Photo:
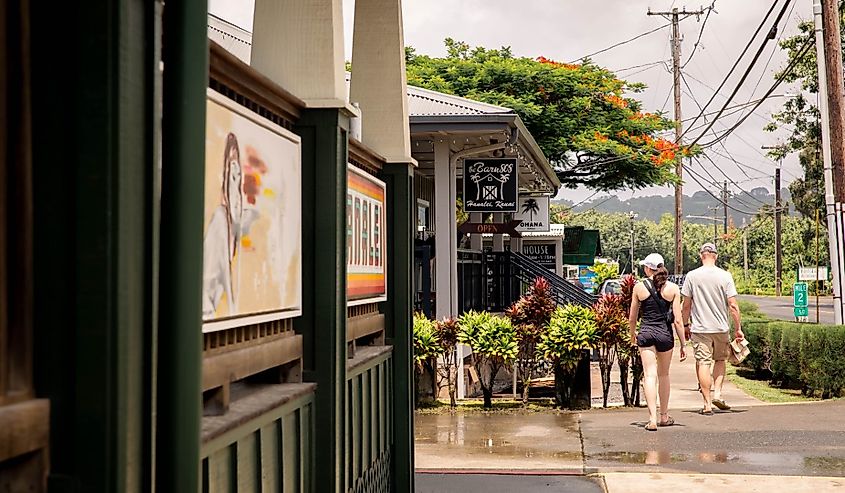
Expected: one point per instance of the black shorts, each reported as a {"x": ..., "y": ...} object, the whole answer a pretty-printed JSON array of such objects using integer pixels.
[{"x": 661, "y": 338}]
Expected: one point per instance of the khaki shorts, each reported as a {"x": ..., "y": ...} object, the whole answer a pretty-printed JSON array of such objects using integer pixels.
[{"x": 710, "y": 347}]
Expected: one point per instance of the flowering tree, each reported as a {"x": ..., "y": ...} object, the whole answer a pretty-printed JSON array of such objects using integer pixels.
[{"x": 581, "y": 115}]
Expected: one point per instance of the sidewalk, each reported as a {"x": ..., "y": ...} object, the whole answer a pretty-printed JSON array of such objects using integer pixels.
[
  {"x": 753, "y": 447},
  {"x": 707, "y": 483}
]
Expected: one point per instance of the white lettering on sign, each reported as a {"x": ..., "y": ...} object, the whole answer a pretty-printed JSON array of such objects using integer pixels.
[
  {"x": 482, "y": 168},
  {"x": 364, "y": 219},
  {"x": 365, "y": 237}
]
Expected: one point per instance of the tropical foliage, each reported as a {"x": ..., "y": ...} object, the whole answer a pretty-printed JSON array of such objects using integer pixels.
[
  {"x": 426, "y": 349},
  {"x": 493, "y": 342},
  {"x": 447, "y": 337},
  {"x": 530, "y": 316},
  {"x": 612, "y": 328},
  {"x": 572, "y": 331},
  {"x": 581, "y": 115}
]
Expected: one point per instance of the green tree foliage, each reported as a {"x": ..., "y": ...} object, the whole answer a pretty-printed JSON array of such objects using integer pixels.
[
  {"x": 798, "y": 240},
  {"x": 801, "y": 115},
  {"x": 605, "y": 271},
  {"x": 530, "y": 317},
  {"x": 572, "y": 330},
  {"x": 494, "y": 346},
  {"x": 591, "y": 132}
]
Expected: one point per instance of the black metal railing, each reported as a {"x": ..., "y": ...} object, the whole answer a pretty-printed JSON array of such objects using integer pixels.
[{"x": 492, "y": 281}]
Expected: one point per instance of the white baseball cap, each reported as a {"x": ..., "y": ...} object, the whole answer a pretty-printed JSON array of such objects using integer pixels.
[{"x": 653, "y": 261}]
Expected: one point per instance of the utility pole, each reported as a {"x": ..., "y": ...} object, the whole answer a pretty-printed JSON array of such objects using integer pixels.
[
  {"x": 818, "y": 320},
  {"x": 715, "y": 226},
  {"x": 778, "y": 249},
  {"x": 632, "y": 215},
  {"x": 778, "y": 253},
  {"x": 744, "y": 251},
  {"x": 725, "y": 204},
  {"x": 829, "y": 63},
  {"x": 675, "y": 16}
]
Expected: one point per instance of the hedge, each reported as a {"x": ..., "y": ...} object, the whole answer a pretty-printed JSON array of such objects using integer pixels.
[{"x": 806, "y": 356}]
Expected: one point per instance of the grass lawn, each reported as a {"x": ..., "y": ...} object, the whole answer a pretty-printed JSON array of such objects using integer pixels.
[
  {"x": 761, "y": 388},
  {"x": 503, "y": 406}
]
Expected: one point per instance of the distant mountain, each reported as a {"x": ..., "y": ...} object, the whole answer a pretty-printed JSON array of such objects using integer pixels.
[{"x": 742, "y": 206}]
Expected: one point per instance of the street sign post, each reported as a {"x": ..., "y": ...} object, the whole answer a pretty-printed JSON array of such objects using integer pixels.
[{"x": 800, "y": 301}]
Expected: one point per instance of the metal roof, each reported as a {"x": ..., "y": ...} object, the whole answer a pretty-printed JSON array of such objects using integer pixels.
[
  {"x": 425, "y": 102},
  {"x": 232, "y": 38}
]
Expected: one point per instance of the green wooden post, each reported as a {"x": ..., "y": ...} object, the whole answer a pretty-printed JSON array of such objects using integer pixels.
[
  {"x": 94, "y": 174},
  {"x": 183, "y": 177},
  {"x": 323, "y": 320},
  {"x": 398, "y": 322}
]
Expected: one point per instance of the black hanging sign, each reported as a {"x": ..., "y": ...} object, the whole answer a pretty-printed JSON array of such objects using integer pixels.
[{"x": 490, "y": 185}]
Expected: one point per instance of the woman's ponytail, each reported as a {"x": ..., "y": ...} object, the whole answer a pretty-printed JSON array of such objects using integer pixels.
[{"x": 661, "y": 275}]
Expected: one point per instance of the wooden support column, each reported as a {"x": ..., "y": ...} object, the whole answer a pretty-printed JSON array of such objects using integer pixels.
[
  {"x": 323, "y": 321},
  {"x": 95, "y": 170},
  {"x": 444, "y": 219},
  {"x": 476, "y": 241},
  {"x": 400, "y": 226}
]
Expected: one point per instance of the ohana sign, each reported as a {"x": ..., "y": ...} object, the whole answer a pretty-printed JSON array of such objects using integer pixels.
[{"x": 490, "y": 185}]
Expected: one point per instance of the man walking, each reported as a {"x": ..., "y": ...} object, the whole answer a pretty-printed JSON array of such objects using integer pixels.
[{"x": 709, "y": 293}]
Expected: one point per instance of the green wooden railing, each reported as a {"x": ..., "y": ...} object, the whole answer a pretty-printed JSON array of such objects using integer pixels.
[
  {"x": 272, "y": 451},
  {"x": 369, "y": 420}
]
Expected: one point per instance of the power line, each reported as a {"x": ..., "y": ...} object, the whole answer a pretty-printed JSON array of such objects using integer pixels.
[
  {"x": 656, "y": 62},
  {"x": 741, "y": 55},
  {"x": 700, "y": 32},
  {"x": 759, "y": 52},
  {"x": 799, "y": 56},
  {"x": 615, "y": 45}
]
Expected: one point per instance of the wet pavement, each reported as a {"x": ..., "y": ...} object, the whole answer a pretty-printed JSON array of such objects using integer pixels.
[
  {"x": 494, "y": 483},
  {"x": 797, "y": 439},
  {"x": 479, "y": 441}
]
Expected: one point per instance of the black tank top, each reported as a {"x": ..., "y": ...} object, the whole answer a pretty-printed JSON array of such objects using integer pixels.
[{"x": 652, "y": 313}]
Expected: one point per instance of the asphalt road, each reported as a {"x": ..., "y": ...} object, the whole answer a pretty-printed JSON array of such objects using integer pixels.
[{"x": 781, "y": 307}]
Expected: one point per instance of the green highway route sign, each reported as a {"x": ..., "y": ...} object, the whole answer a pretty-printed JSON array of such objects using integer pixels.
[
  {"x": 801, "y": 311},
  {"x": 799, "y": 296}
]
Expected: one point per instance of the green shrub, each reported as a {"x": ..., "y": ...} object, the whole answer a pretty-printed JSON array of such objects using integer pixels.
[
  {"x": 822, "y": 359},
  {"x": 755, "y": 334},
  {"x": 771, "y": 349}
]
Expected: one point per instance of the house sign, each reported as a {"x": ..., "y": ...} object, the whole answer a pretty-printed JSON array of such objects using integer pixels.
[{"x": 490, "y": 185}]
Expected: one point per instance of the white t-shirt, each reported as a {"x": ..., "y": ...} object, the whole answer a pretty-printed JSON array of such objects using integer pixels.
[{"x": 709, "y": 288}]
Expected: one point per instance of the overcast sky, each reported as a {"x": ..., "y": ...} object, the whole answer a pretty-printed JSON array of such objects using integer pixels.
[{"x": 566, "y": 30}]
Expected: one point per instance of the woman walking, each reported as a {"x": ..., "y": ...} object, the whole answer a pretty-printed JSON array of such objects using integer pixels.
[{"x": 656, "y": 302}]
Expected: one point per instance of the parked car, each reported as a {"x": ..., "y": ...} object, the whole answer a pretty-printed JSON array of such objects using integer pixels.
[{"x": 610, "y": 286}]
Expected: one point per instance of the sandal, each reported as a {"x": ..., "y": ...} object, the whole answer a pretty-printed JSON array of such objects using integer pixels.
[
  {"x": 669, "y": 421},
  {"x": 705, "y": 412},
  {"x": 651, "y": 427},
  {"x": 721, "y": 404}
]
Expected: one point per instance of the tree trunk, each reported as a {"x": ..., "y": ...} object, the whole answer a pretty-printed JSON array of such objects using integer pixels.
[
  {"x": 623, "y": 380},
  {"x": 488, "y": 396},
  {"x": 526, "y": 386},
  {"x": 563, "y": 388},
  {"x": 453, "y": 385},
  {"x": 604, "y": 369},
  {"x": 636, "y": 378}
]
